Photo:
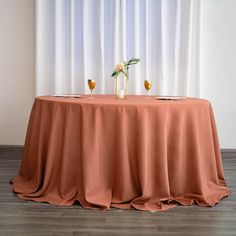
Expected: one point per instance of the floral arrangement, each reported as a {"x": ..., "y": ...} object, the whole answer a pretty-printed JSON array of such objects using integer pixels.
[{"x": 124, "y": 67}]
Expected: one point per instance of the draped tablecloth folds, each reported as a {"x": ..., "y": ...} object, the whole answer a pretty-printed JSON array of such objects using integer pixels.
[{"x": 138, "y": 153}]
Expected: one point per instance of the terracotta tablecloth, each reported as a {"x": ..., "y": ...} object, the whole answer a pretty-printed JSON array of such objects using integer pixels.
[{"x": 103, "y": 152}]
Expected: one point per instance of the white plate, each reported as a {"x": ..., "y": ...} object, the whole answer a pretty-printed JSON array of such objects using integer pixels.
[
  {"x": 67, "y": 95},
  {"x": 170, "y": 98}
]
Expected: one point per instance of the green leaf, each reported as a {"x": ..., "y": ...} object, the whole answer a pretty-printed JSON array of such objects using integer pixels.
[
  {"x": 130, "y": 60},
  {"x": 133, "y": 61},
  {"x": 114, "y": 74}
]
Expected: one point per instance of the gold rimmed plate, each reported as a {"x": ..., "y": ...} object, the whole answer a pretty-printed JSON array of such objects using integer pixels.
[
  {"x": 67, "y": 95},
  {"x": 170, "y": 98}
]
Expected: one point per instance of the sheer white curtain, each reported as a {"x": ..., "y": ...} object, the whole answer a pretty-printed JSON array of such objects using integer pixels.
[{"x": 81, "y": 39}]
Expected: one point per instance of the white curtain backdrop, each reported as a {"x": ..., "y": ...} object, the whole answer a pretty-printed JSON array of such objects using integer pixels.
[{"x": 77, "y": 40}]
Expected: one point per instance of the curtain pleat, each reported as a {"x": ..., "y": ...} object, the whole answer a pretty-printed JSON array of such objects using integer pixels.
[{"x": 77, "y": 40}]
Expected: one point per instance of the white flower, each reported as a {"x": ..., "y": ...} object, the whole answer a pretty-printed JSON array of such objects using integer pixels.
[{"x": 119, "y": 67}]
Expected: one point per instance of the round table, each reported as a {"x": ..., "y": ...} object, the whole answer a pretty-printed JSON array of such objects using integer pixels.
[{"x": 138, "y": 153}]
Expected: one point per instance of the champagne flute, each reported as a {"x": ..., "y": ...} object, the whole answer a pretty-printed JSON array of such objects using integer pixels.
[
  {"x": 147, "y": 85},
  {"x": 91, "y": 84}
]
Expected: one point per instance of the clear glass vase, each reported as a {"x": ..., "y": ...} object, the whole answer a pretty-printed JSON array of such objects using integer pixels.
[{"x": 122, "y": 86}]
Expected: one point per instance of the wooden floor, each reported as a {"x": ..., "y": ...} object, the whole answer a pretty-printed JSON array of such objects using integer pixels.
[{"x": 18, "y": 217}]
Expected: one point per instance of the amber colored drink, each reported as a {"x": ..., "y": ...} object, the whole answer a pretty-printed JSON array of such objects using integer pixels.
[
  {"x": 147, "y": 85},
  {"x": 91, "y": 84}
]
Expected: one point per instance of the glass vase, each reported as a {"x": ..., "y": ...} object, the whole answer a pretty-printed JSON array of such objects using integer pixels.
[{"x": 122, "y": 86}]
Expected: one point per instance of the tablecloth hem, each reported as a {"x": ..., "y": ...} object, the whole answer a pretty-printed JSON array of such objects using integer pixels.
[{"x": 145, "y": 206}]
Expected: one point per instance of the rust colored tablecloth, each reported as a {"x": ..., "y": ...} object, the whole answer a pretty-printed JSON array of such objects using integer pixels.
[{"x": 103, "y": 152}]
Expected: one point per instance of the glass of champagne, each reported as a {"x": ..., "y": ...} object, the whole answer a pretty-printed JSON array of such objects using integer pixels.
[
  {"x": 91, "y": 84},
  {"x": 147, "y": 85}
]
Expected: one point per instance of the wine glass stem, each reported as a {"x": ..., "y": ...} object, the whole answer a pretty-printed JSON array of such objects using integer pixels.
[
  {"x": 147, "y": 92},
  {"x": 91, "y": 92}
]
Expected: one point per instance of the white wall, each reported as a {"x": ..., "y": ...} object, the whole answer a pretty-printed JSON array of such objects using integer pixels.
[
  {"x": 218, "y": 65},
  {"x": 16, "y": 68}
]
